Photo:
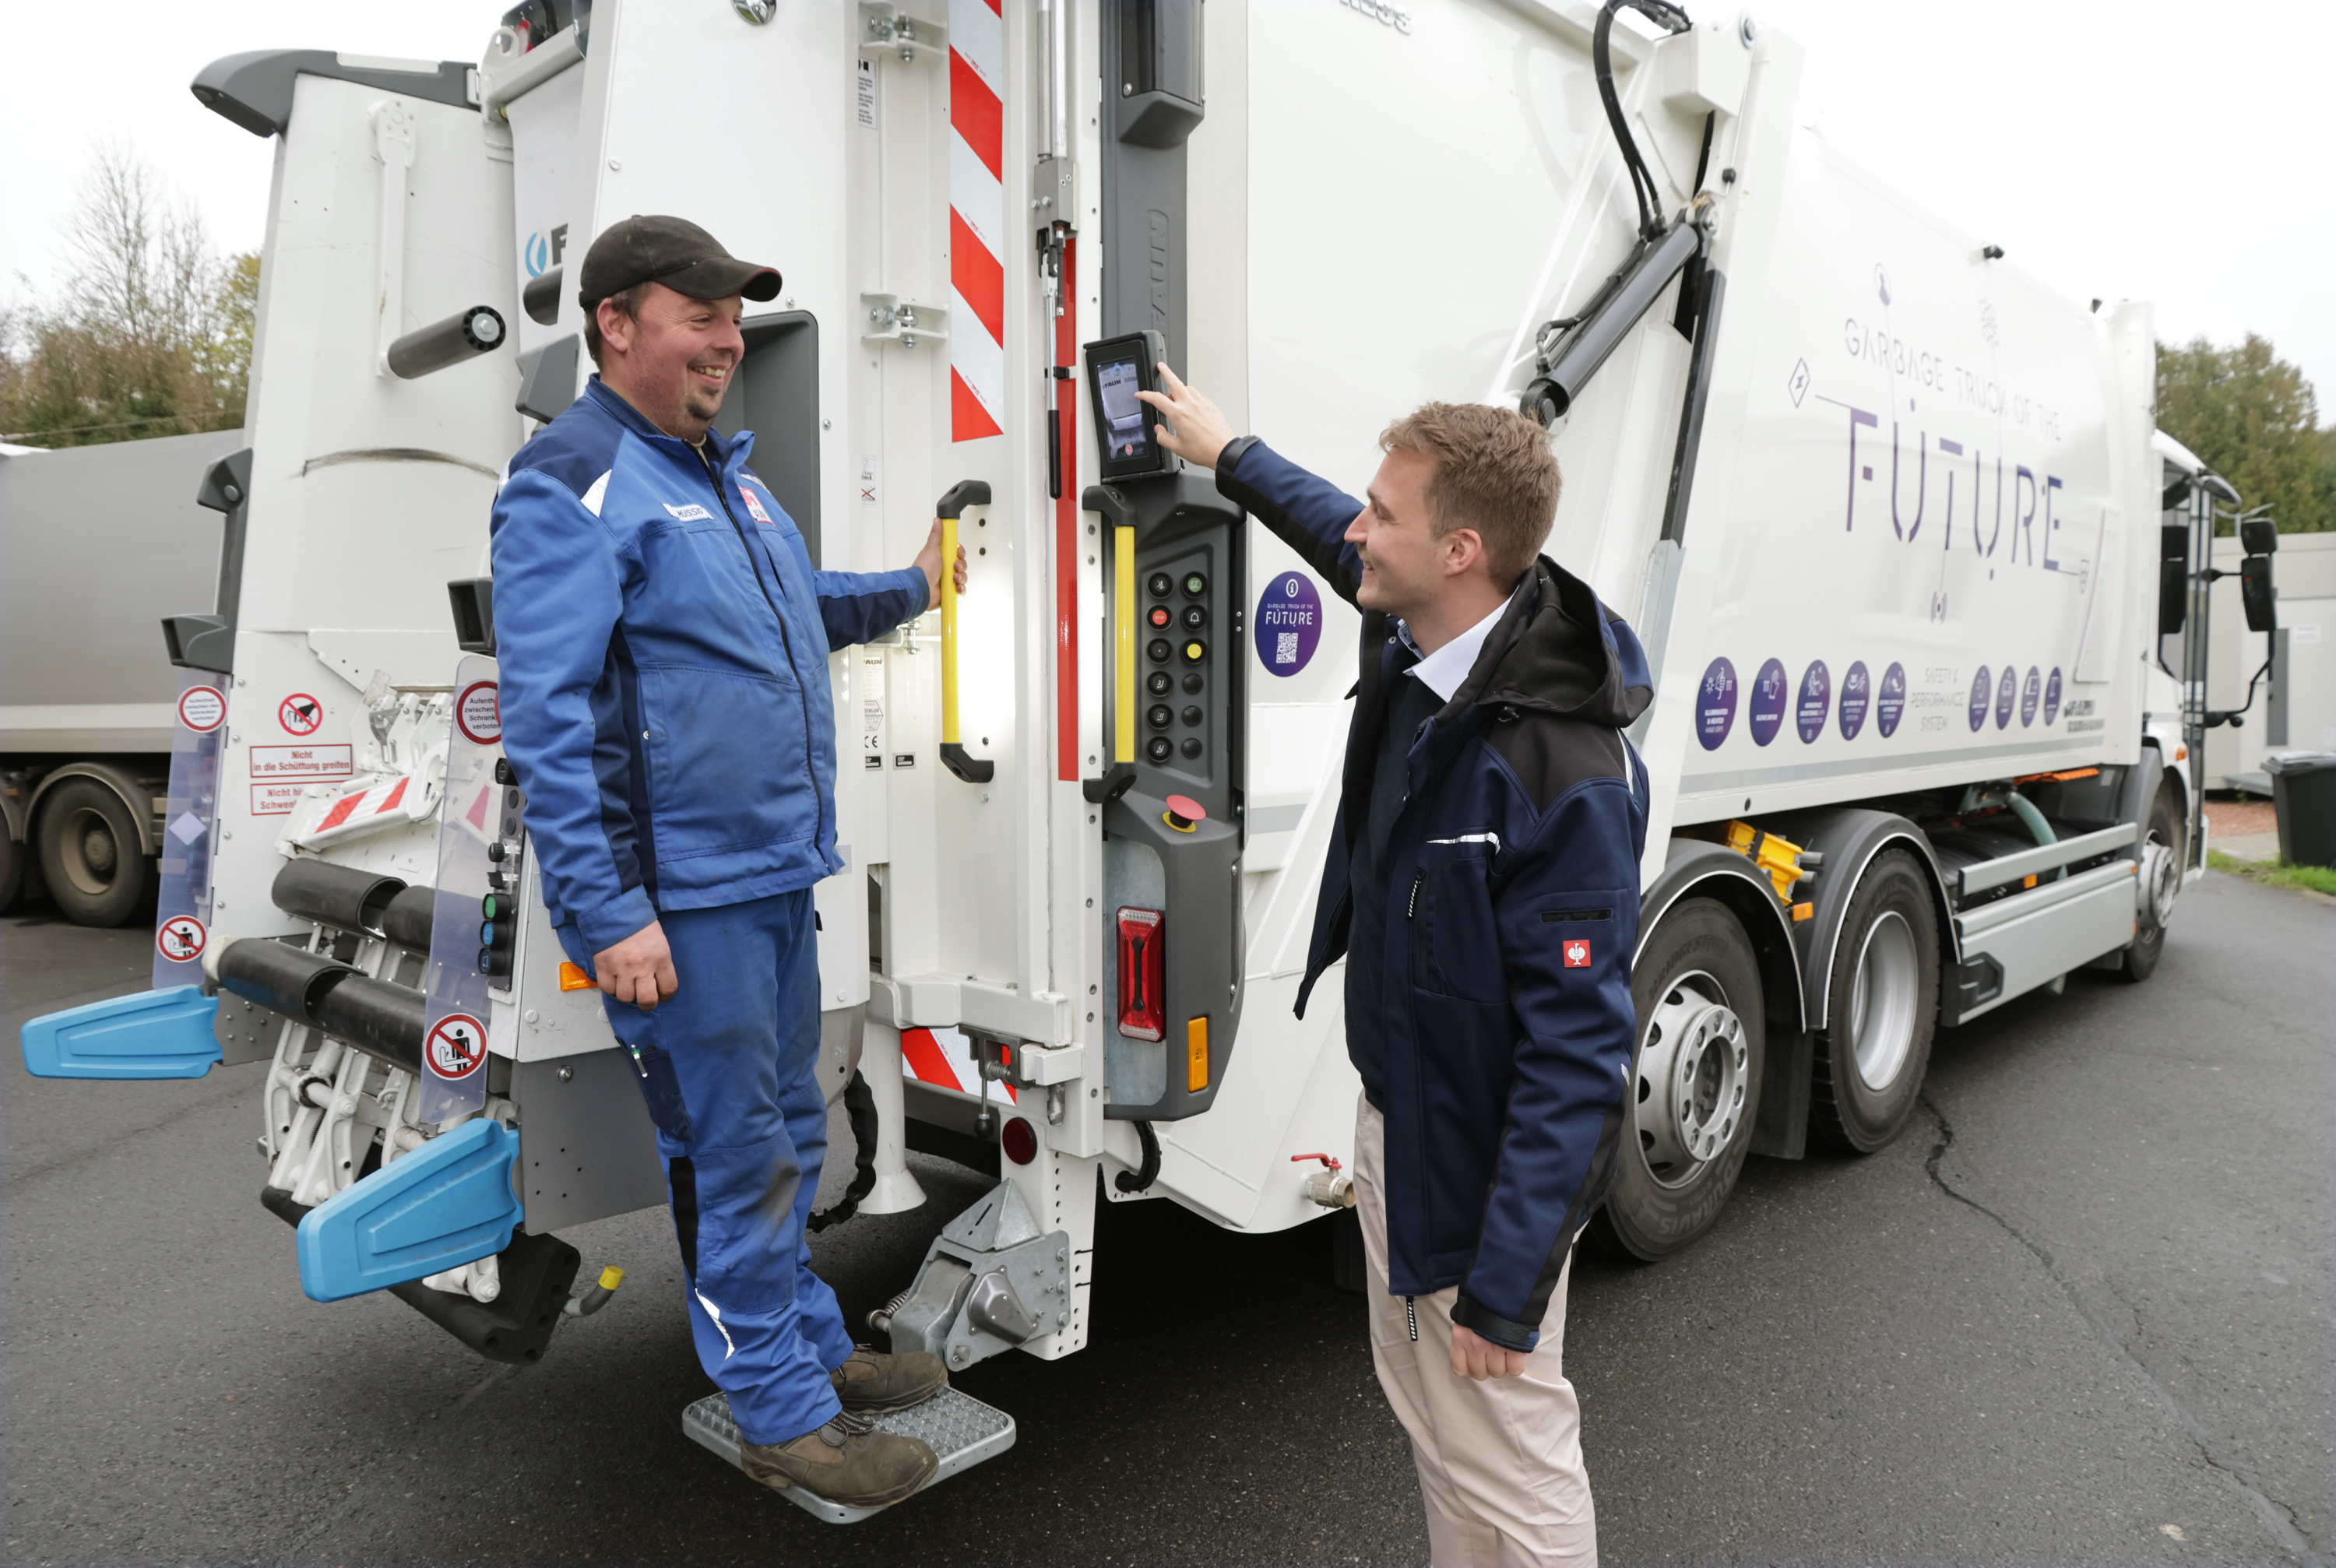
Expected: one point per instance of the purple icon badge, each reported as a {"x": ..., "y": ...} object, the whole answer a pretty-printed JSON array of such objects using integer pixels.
[
  {"x": 1981, "y": 689},
  {"x": 1715, "y": 703},
  {"x": 1857, "y": 689},
  {"x": 1764, "y": 711},
  {"x": 1890, "y": 702},
  {"x": 1816, "y": 699},
  {"x": 2005, "y": 695},
  {"x": 1288, "y": 623},
  {"x": 2030, "y": 692},
  {"x": 2052, "y": 696}
]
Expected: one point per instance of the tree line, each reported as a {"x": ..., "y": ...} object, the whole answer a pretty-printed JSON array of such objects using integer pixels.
[{"x": 150, "y": 333}]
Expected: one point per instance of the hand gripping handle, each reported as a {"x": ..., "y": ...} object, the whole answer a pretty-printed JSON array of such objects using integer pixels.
[{"x": 951, "y": 506}]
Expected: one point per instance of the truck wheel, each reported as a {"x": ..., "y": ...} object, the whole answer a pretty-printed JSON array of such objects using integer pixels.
[
  {"x": 90, "y": 856},
  {"x": 1695, "y": 1084},
  {"x": 2161, "y": 884},
  {"x": 1881, "y": 1008}
]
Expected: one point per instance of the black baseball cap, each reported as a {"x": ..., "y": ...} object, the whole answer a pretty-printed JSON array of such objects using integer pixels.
[{"x": 673, "y": 252}]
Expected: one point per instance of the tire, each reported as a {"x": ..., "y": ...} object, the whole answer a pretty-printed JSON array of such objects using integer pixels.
[
  {"x": 1882, "y": 1008},
  {"x": 90, "y": 855},
  {"x": 2161, "y": 884},
  {"x": 1695, "y": 1082}
]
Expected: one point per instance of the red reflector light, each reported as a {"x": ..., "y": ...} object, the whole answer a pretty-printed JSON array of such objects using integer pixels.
[
  {"x": 1021, "y": 1142},
  {"x": 1142, "y": 1015}
]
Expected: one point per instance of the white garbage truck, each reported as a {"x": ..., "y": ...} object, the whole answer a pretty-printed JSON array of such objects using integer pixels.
[{"x": 1886, "y": 512}]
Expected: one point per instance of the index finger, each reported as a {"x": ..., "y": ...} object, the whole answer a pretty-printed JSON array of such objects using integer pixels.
[{"x": 1175, "y": 388}]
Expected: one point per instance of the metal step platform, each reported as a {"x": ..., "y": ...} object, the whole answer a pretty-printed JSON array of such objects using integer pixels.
[{"x": 959, "y": 1428}]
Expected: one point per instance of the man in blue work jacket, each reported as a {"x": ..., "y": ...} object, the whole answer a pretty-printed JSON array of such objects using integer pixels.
[
  {"x": 1483, "y": 885},
  {"x": 664, "y": 641}
]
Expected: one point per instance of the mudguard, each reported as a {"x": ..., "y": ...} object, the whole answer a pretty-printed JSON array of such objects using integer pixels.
[
  {"x": 164, "y": 1034},
  {"x": 448, "y": 1202}
]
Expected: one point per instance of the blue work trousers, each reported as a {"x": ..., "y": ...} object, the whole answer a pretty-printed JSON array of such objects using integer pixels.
[{"x": 728, "y": 1065}]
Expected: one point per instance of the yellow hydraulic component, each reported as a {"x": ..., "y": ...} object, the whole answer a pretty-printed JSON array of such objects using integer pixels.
[
  {"x": 948, "y": 632},
  {"x": 1122, "y": 645},
  {"x": 1778, "y": 859},
  {"x": 611, "y": 1277},
  {"x": 1196, "y": 1055}
]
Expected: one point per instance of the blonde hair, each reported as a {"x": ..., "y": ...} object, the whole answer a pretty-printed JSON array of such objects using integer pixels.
[{"x": 1494, "y": 472}]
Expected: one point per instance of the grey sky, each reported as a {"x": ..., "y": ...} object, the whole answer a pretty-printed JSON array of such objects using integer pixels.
[{"x": 2134, "y": 150}]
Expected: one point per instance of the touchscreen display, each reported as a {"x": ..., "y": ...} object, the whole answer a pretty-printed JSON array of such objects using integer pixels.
[{"x": 1123, "y": 415}]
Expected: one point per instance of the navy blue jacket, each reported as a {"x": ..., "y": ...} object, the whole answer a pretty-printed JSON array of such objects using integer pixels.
[
  {"x": 662, "y": 643},
  {"x": 1512, "y": 910}
]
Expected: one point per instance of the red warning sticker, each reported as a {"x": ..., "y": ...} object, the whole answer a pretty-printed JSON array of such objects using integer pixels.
[
  {"x": 1577, "y": 955},
  {"x": 455, "y": 1048},
  {"x": 180, "y": 938},
  {"x": 300, "y": 714},
  {"x": 480, "y": 714},
  {"x": 201, "y": 708}
]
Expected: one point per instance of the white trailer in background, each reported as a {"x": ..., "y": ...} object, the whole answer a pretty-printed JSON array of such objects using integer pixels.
[{"x": 1880, "y": 506}]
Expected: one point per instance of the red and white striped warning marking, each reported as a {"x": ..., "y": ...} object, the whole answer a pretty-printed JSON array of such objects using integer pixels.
[
  {"x": 363, "y": 811},
  {"x": 976, "y": 219},
  {"x": 944, "y": 1058}
]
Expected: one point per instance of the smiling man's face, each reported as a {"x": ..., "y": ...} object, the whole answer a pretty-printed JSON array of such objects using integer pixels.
[{"x": 673, "y": 359}]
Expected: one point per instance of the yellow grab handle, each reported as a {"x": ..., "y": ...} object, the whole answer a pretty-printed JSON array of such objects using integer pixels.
[
  {"x": 949, "y": 632},
  {"x": 1122, "y": 645}
]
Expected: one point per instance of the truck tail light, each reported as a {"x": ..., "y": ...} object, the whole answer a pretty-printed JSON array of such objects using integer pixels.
[{"x": 1142, "y": 969}]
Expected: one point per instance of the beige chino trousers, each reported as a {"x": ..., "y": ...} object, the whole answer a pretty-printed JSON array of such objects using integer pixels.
[{"x": 1500, "y": 1461}]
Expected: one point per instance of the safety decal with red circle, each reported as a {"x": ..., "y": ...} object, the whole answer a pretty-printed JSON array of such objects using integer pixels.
[
  {"x": 300, "y": 714},
  {"x": 480, "y": 714},
  {"x": 455, "y": 1047},
  {"x": 1577, "y": 955},
  {"x": 181, "y": 938},
  {"x": 201, "y": 708}
]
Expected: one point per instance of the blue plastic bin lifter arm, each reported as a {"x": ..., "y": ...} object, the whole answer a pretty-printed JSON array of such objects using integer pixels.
[
  {"x": 164, "y": 1034},
  {"x": 1569, "y": 985},
  {"x": 1307, "y": 514},
  {"x": 450, "y": 1201},
  {"x": 559, "y": 591}
]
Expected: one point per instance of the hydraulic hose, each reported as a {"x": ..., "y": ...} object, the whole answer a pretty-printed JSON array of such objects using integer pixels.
[
  {"x": 1146, "y": 1173},
  {"x": 860, "y": 1107}
]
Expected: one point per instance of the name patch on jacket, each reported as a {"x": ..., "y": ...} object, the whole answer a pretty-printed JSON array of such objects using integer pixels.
[
  {"x": 755, "y": 505},
  {"x": 690, "y": 513}
]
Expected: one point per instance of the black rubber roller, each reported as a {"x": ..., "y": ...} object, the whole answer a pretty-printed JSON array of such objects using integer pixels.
[
  {"x": 406, "y": 921},
  {"x": 332, "y": 895},
  {"x": 383, "y": 1020},
  {"x": 279, "y": 977}
]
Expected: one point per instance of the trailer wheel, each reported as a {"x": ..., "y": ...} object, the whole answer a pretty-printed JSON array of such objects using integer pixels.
[
  {"x": 1695, "y": 1082},
  {"x": 90, "y": 855},
  {"x": 2161, "y": 884},
  {"x": 1881, "y": 1008}
]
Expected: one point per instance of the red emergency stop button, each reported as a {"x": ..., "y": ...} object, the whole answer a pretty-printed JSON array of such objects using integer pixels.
[{"x": 1184, "y": 813}]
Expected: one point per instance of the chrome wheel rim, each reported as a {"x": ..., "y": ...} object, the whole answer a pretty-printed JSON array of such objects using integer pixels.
[
  {"x": 2161, "y": 879},
  {"x": 1882, "y": 1000},
  {"x": 1689, "y": 1096}
]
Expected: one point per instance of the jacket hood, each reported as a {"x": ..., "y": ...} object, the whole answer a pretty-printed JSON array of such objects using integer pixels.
[{"x": 1558, "y": 650}]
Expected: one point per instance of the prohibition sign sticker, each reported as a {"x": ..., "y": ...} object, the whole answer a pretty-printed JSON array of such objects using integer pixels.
[
  {"x": 201, "y": 707},
  {"x": 455, "y": 1048},
  {"x": 180, "y": 938},
  {"x": 480, "y": 714},
  {"x": 300, "y": 714}
]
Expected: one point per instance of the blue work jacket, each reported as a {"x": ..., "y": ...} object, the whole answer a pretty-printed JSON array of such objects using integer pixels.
[
  {"x": 1513, "y": 910},
  {"x": 663, "y": 641}
]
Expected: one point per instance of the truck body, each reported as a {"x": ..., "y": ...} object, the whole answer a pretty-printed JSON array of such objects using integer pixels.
[
  {"x": 102, "y": 543},
  {"x": 1879, "y": 504}
]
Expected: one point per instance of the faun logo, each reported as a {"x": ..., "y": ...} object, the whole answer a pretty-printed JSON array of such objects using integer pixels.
[{"x": 1394, "y": 17}]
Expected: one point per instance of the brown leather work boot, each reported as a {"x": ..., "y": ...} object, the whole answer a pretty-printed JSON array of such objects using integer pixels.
[
  {"x": 847, "y": 1461},
  {"x": 873, "y": 1383}
]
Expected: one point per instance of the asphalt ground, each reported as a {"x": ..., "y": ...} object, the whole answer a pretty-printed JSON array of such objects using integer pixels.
[{"x": 2080, "y": 1313}]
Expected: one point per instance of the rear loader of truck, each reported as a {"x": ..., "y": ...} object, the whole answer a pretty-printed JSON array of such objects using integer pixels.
[{"x": 1878, "y": 503}]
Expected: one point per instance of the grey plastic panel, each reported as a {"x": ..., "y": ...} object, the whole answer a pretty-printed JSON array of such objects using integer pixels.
[
  {"x": 1144, "y": 208},
  {"x": 778, "y": 398},
  {"x": 547, "y": 378},
  {"x": 254, "y": 89},
  {"x": 586, "y": 1148}
]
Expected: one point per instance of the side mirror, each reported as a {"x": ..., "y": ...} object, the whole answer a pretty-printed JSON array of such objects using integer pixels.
[
  {"x": 2256, "y": 596},
  {"x": 2173, "y": 578},
  {"x": 2259, "y": 536}
]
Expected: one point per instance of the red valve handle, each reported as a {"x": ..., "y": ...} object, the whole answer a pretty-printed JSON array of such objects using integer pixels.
[{"x": 1325, "y": 1159}]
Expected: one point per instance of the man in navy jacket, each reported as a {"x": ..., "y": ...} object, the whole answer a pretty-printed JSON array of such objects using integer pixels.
[
  {"x": 663, "y": 641},
  {"x": 1483, "y": 885}
]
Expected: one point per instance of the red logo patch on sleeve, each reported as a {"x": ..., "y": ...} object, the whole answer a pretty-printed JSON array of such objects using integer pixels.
[{"x": 1577, "y": 955}]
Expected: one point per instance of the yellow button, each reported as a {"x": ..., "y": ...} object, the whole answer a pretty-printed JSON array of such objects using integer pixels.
[
  {"x": 1196, "y": 1055},
  {"x": 1194, "y": 652}
]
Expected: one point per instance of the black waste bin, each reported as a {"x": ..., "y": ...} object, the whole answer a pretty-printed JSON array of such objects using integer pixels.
[{"x": 2303, "y": 793}]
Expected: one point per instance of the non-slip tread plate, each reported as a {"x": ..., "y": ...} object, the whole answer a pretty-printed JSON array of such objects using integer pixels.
[{"x": 960, "y": 1430}]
